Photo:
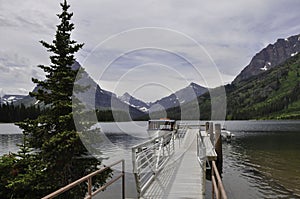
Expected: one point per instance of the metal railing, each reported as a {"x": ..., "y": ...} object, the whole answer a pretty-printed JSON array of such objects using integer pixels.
[
  {"x": 217, "y": 185},
  {"x": 202, "y": 159},
  {"x": 201, "y": 149},
  {"x": 88, "y": 179},
  {"x": 218, "y": 190},
  {"x": 149, "y": 158},
  {"x": 180, "y": 133}
]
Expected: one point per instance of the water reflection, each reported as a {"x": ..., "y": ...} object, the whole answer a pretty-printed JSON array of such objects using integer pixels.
[
  {"x": 8, "y": 143},
  {"x": 120, "y": 149},
  {"x": 262, "y": 165}
]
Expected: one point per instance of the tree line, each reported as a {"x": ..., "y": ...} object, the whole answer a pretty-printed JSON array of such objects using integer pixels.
[{"x": 9, "y": 113}]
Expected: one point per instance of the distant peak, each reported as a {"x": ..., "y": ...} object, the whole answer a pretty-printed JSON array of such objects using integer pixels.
[
  {"x": 126, "y": 94},
  {"x": 271, "y": 56},
  {"x": 75, "y": 66},
  {"x": 193, "y": 84}
]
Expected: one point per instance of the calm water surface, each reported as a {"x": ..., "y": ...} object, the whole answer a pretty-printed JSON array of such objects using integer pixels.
[
  {"x": 263, "y": 161},
  {"x": 10, "y": 135}
]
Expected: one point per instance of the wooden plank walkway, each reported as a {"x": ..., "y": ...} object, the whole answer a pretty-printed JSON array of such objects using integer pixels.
[
  {"x": 210, "y": 152},
  {"x": 183, "y": 176}
]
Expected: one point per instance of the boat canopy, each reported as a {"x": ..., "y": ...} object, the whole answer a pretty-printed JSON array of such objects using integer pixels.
[{"x": 162, "y": 124}]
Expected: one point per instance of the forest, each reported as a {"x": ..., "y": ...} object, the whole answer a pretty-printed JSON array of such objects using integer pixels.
[{"x": 9, "y": 113}]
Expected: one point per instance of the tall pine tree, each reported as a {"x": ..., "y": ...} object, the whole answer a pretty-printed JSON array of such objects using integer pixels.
[{"x": 58, "y": 155}]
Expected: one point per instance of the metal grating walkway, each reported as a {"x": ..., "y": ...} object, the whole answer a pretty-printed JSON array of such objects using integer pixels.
[{"x": 183, "y": 176}]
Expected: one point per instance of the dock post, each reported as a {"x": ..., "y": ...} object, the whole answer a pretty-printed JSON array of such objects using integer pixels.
[
  {"x": 123, "y": 179},
  {"x": 218, "y": 147},
  {"x": 204, "y": 176},
  {"x": 211, "y": 133},
  {"x": 211, "y": 137},
  {"x": 206, "y": 127}
]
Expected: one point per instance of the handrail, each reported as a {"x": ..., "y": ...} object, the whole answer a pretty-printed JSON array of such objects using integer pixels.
[
  {"x": 217, "y": 185},
  {"x": 88, "y": 178},
  {"x": 152, "y": 140},
  {"x": 218, "y": 190},
  {"x": 149, "y": 158},
  {"x": 201, "y": 150}
]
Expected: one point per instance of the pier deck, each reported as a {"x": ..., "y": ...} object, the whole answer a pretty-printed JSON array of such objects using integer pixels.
[{"x": 183, "y": 176}]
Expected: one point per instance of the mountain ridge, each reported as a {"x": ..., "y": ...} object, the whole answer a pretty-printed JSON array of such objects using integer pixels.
[
  {"x": 270, "y": 56},
  {"x": 270, "y": 95},
  {"x": 94, "y": 97},
  {"x": 10, "y": 98},
  {"x": 270, "y": 71},
  {"x": 184, "y": 95},
  {"x": 132, "y": 101},
  {"x": 273, "y": 94}
]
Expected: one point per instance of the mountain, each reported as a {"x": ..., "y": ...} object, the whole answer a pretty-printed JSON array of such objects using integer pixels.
[
  {"x": 8, "y": 99},
  {"x": 187, "y": 94},
  {"x": 134, "y": 102},
  {"x": 94, "y": 97},
  {"x": 270, "y": 95},
  {"x": 270, "y": 57},
  {"x": 273, "y": 94}
]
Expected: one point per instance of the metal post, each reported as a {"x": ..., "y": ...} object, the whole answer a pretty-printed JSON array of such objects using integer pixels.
[
  {"x": 123, "y": 179},
  {"x": 90, "y": 187},
  {"x": 162, "y": 145},
  {"x": 204, "y": 174},
  {"x": 213, "y": 183},
  {"x": 135, "y": 172},
  {"x": 198, "y": 146},
  {"x": 211, "y": 133},
  {"x": 218, "y": 147},
  {"x": 207, "y": 127},
  {"x": 173, "y": 139}
]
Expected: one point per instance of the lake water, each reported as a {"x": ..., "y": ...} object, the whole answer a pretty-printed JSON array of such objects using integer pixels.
[
  {"x": 263, "y": 161},
  {"x": 10, "y": 135}
]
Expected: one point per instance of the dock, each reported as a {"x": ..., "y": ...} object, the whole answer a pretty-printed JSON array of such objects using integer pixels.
[
  {"x": 183, "y": 170},
  {"x": 173, "y": 165},
  {"x": 184, "y": 174}
]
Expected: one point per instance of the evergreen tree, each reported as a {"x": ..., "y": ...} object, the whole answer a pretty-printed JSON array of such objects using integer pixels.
[{"x": 59, "y": 156}]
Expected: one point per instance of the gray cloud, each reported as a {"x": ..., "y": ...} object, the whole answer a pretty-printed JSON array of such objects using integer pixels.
[
  {"x": 231, "y": 32},
  {"x": 13, "y": 59}
]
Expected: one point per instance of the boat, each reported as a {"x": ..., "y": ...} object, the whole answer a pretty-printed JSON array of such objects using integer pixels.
[
  {"x": 160, "y": 127},
  {"x": 226, "y": 135}
]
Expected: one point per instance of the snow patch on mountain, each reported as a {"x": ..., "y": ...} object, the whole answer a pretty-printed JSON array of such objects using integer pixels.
[
  {"x": 293, "y": 54},
  {"x": 9, "y": 99},
  {"x": 134, "y": 102}
]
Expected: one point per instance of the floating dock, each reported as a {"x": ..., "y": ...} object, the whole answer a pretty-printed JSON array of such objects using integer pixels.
[
  {"x": 181, "y": 172},
  {"x": 183, "y": 177}
]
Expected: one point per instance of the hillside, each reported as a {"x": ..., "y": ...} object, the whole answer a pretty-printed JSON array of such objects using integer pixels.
[
  {"x": 270, "y": 57},
  {"x": 273, "y": 94}
]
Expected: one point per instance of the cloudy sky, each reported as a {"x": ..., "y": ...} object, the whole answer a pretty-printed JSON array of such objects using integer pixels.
[{"x": 149, "y": 48}]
